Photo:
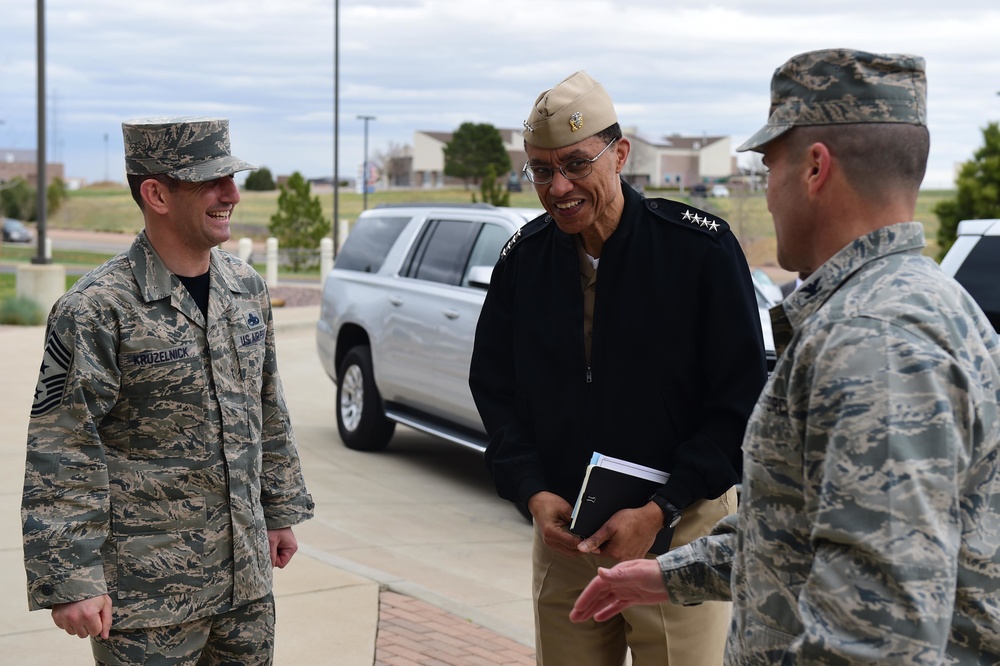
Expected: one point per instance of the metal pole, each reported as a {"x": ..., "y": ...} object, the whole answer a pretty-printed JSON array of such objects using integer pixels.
[
  {"x": 364, "y": 169},
  {"x": 336, "y": 125},
  {"x": 42, "y": 179}
]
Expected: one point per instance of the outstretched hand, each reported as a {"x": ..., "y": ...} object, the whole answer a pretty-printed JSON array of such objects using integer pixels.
[{"x": 613, "y": 590}]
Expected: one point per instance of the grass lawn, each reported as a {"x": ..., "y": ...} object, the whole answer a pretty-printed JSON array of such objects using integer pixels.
[
  {"x": 8, "y": 285},
  {"x": 112, "y": 209}
]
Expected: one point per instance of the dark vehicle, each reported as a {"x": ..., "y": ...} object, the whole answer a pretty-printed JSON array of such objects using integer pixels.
[
  {"x": 699, "y": 190},
  {"x": 514, "y": 182},
  {"x": 974, "y": 260},
  {"x": 14, "y": 231}
]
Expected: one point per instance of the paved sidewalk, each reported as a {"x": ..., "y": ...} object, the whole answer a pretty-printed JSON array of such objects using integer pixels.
[
  {"x": 411, "y": 632},
  {"x": 363, "y": 620}
]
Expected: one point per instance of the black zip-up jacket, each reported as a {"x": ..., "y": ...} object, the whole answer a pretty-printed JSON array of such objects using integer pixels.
[{"x": 676, "y": 366}]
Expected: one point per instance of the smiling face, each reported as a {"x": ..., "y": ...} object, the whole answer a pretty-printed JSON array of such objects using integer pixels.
[
  {"x": 587, "y": 204},
  {"x": 199, "y": 212}
]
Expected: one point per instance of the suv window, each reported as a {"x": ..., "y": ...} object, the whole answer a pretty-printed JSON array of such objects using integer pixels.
[
  {"x": 442, "y": 250},
  {"x": 369, "y": 242},
  {"x": 978, "y": 274},
  {"x": 486, "y": 251}
]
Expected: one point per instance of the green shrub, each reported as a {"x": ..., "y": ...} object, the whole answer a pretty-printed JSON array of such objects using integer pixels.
[{"x": 21, "y": 311}]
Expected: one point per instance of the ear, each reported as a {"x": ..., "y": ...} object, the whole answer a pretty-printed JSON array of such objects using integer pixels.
[
  {"x": 622, "y": 149},
  {"x": 154, "y": 195},
  {"x": 819, "y": 165}
]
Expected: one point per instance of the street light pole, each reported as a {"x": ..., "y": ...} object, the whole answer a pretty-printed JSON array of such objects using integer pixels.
[
  {"x": 336, "y": 126},
  {"x": 364, "y": 169},
  {"x": 42, "y": 179}
]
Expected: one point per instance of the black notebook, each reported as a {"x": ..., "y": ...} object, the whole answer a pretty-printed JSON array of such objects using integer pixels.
[{"x": 610, "y": 485}]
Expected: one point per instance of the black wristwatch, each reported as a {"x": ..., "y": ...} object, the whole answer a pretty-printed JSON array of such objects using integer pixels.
[{"x": 671, "y": 514}]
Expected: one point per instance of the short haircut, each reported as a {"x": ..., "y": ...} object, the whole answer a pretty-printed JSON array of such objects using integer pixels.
[
  {"x": 873, "y": 156},
  {"x": 610, "y": 133},
  {"x": 135, "y": 183}
]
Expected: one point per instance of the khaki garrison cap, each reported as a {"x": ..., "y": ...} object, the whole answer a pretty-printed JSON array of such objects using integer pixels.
[
  {"x": 842, "y": 86},
  {"x": 576, "y": 109},
  {"x": 185, "y": 148}
]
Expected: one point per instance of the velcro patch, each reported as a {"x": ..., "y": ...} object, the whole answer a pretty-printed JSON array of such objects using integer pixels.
[{"x": 51, "y": 377}]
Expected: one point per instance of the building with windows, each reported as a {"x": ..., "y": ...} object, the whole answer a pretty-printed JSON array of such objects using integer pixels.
[
  {"x": 23, "y": 164},
  {"x": 672, "y": 161}
]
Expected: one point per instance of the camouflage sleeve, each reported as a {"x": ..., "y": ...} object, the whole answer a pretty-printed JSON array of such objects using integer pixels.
[
  {"x": 701, "y": 570},
  {"x": 887, "y": 419},
  {"x": 65, "y": 504},
  {"x": 283, "y": 490}
]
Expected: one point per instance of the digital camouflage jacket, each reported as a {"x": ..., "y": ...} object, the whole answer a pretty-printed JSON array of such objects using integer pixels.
[
  {"x": 869, "y": 529},
  {"x": 159, "y": 447}
]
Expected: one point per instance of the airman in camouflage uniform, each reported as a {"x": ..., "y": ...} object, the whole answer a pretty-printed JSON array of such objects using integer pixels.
[
  {"x": 162, "y": 478},
  {"x": 869, "y": 531}
]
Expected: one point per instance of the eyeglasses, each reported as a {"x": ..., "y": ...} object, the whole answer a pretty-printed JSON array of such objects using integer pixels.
[{"x": 572, "y": 170}]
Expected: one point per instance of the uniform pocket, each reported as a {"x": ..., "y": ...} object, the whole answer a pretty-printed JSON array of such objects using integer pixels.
[
  {"x": 166, "y": 391},
  {"x": 159, "y": 547}
]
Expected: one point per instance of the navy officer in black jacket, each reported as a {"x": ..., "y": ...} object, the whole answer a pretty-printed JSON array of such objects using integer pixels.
[{"x": 627, "y": 326}]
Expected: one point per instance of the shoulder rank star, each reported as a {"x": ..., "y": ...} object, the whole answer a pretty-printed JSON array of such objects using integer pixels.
[
  {"x": 694, "y": 218},
  {"x": 510, "y": 243}
]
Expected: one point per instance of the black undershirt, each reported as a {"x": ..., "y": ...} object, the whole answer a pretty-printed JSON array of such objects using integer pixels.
[{"x": 198, "y": 288}]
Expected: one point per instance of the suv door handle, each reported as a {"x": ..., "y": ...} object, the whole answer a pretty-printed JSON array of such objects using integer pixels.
[
  {"x": 396, "y": 300},
  {"x": 451, "y": 313}
]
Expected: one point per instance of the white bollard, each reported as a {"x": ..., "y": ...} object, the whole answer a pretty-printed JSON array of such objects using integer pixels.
[
  {"x": 272, "y": 262},
  {"x": 325, "y": 257},
  {"x": 342, "y": 231},
  {"x": 48, "y": 248},
  {"x": 245, "y": 249}
]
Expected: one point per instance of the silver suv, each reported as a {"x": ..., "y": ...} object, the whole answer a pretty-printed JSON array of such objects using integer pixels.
[
  {"x": 399, "y": 316},
  {"x": 974, "y": 260}
]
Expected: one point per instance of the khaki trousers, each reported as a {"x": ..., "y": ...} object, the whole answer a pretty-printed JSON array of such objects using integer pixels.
[{"x": 660, "y": 635}]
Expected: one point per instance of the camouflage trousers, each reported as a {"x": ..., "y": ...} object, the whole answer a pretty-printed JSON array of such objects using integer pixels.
[{"x": 244, "y": 636}]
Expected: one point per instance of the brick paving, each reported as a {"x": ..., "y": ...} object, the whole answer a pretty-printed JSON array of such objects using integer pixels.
[{"x": 415, "y": 633}]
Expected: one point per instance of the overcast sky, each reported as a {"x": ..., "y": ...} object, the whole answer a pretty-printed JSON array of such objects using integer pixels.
[{"x": 682, "y": 67}]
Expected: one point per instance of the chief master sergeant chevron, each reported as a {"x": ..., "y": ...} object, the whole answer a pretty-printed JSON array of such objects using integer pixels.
[
  {"x": 162, "y": 479},
  {"x": 626, "y": 326}
]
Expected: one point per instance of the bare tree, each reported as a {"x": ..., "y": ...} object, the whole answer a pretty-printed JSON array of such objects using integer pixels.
[{"x": 394, "y": 163}]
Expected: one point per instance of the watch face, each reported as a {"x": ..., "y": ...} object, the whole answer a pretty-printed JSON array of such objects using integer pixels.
[{"x": 671, "y": 514}]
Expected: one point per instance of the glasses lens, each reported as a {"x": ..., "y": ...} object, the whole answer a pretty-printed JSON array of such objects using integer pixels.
[
  {"x": 577, "y": 169},
  {"x": 538, "y": 174}
]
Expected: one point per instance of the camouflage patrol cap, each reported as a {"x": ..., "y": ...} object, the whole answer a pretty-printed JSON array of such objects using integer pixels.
[
  {"x": 185, "y": 148},
  {"x": 842, "y": 86},
  {"x": 576, "y": 109}
]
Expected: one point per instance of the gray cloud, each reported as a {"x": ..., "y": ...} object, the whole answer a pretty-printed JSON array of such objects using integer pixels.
[{"x": 685, "y": 67}]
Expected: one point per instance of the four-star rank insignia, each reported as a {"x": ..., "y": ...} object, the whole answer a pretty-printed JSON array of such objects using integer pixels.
[
  {"x": 510, "y": 243},
  {"x": 706, "y": 221},
  {"x": 576, "y": 122}
]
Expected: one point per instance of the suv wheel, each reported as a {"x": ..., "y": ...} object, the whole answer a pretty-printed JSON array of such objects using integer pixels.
[{"x": 360, "y": 421}]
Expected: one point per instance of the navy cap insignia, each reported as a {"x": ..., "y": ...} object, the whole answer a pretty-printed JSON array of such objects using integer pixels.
[
  {"x": 51, "y": 377},
  {"x": 576, "y": 122}
]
